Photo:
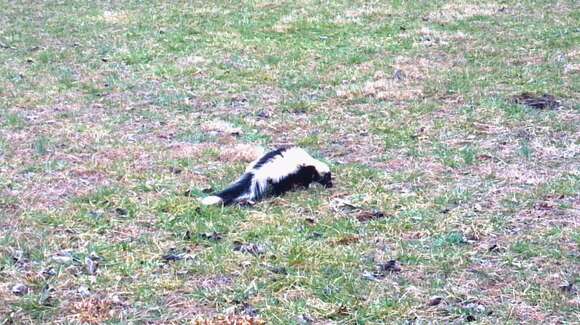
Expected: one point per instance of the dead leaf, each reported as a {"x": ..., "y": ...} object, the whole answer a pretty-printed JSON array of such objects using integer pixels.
[
  {"x": 92, "y": 262},
  {"x": 314, "y": 235},
  {"x": 435, "y": 301},
  {"x": 253, "y": 249},
  {"x": 364, "y": 216},
  {"x": 173, "y": 255},
  {"x": 20, "y": 289},
  {"x": 212, "y": 236},
  {"x": 247, "y": 309},
  {"x": 568, "y": 288},
  {"x": 391, "y": 266},
  {"x": 278, "y": 270},
  {"x": 121, "y": 211},
  {"x": 346, "y": 240},
  {"x": 310, "y": 221}
]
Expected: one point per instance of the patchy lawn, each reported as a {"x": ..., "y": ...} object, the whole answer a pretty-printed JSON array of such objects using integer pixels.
[{"x": 454, "y": 201}]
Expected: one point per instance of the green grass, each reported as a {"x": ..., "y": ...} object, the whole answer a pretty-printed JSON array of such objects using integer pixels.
[{"x": 103, "y": 151}]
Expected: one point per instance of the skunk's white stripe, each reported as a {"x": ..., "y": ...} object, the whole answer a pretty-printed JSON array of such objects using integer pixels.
[{"x": 283, "y": 165}]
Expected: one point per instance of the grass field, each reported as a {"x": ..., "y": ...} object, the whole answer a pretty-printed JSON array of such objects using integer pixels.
[{"x": 452, "y": 203}]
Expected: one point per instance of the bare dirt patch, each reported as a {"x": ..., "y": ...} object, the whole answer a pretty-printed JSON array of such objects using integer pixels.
[{"x": 240, "y": 153}]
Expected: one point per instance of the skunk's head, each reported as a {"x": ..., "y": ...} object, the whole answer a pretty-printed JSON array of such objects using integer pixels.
[
  {"x": 323, "y": 174},
  {"x": 326, "y": 180}
]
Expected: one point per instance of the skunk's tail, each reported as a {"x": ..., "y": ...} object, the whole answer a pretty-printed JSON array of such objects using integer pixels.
[
  {"x": 232, "y": 193},
  {"x": 211, "y": 200}
]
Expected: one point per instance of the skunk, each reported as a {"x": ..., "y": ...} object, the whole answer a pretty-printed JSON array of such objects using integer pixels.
[{"x": 274, "y": 173}]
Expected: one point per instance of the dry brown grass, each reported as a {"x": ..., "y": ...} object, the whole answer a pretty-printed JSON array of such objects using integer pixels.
[
  {"x": 406, "y": 82},
  {"x": 220, "y": 127},
  {"x": 455, "y": 11},
  {"x": 428, "y": 37},
  {"x": 240, "y": 153},
  {"x": 116, "y": 17},
  {"x": 91, "y": 311}
]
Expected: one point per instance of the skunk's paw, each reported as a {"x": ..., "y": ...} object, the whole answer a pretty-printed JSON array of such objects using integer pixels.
[{"x": 247, "y": 203}]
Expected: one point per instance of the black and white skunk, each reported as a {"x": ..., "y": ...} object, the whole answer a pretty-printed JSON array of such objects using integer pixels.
[{"x": 274, "y": 173}]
